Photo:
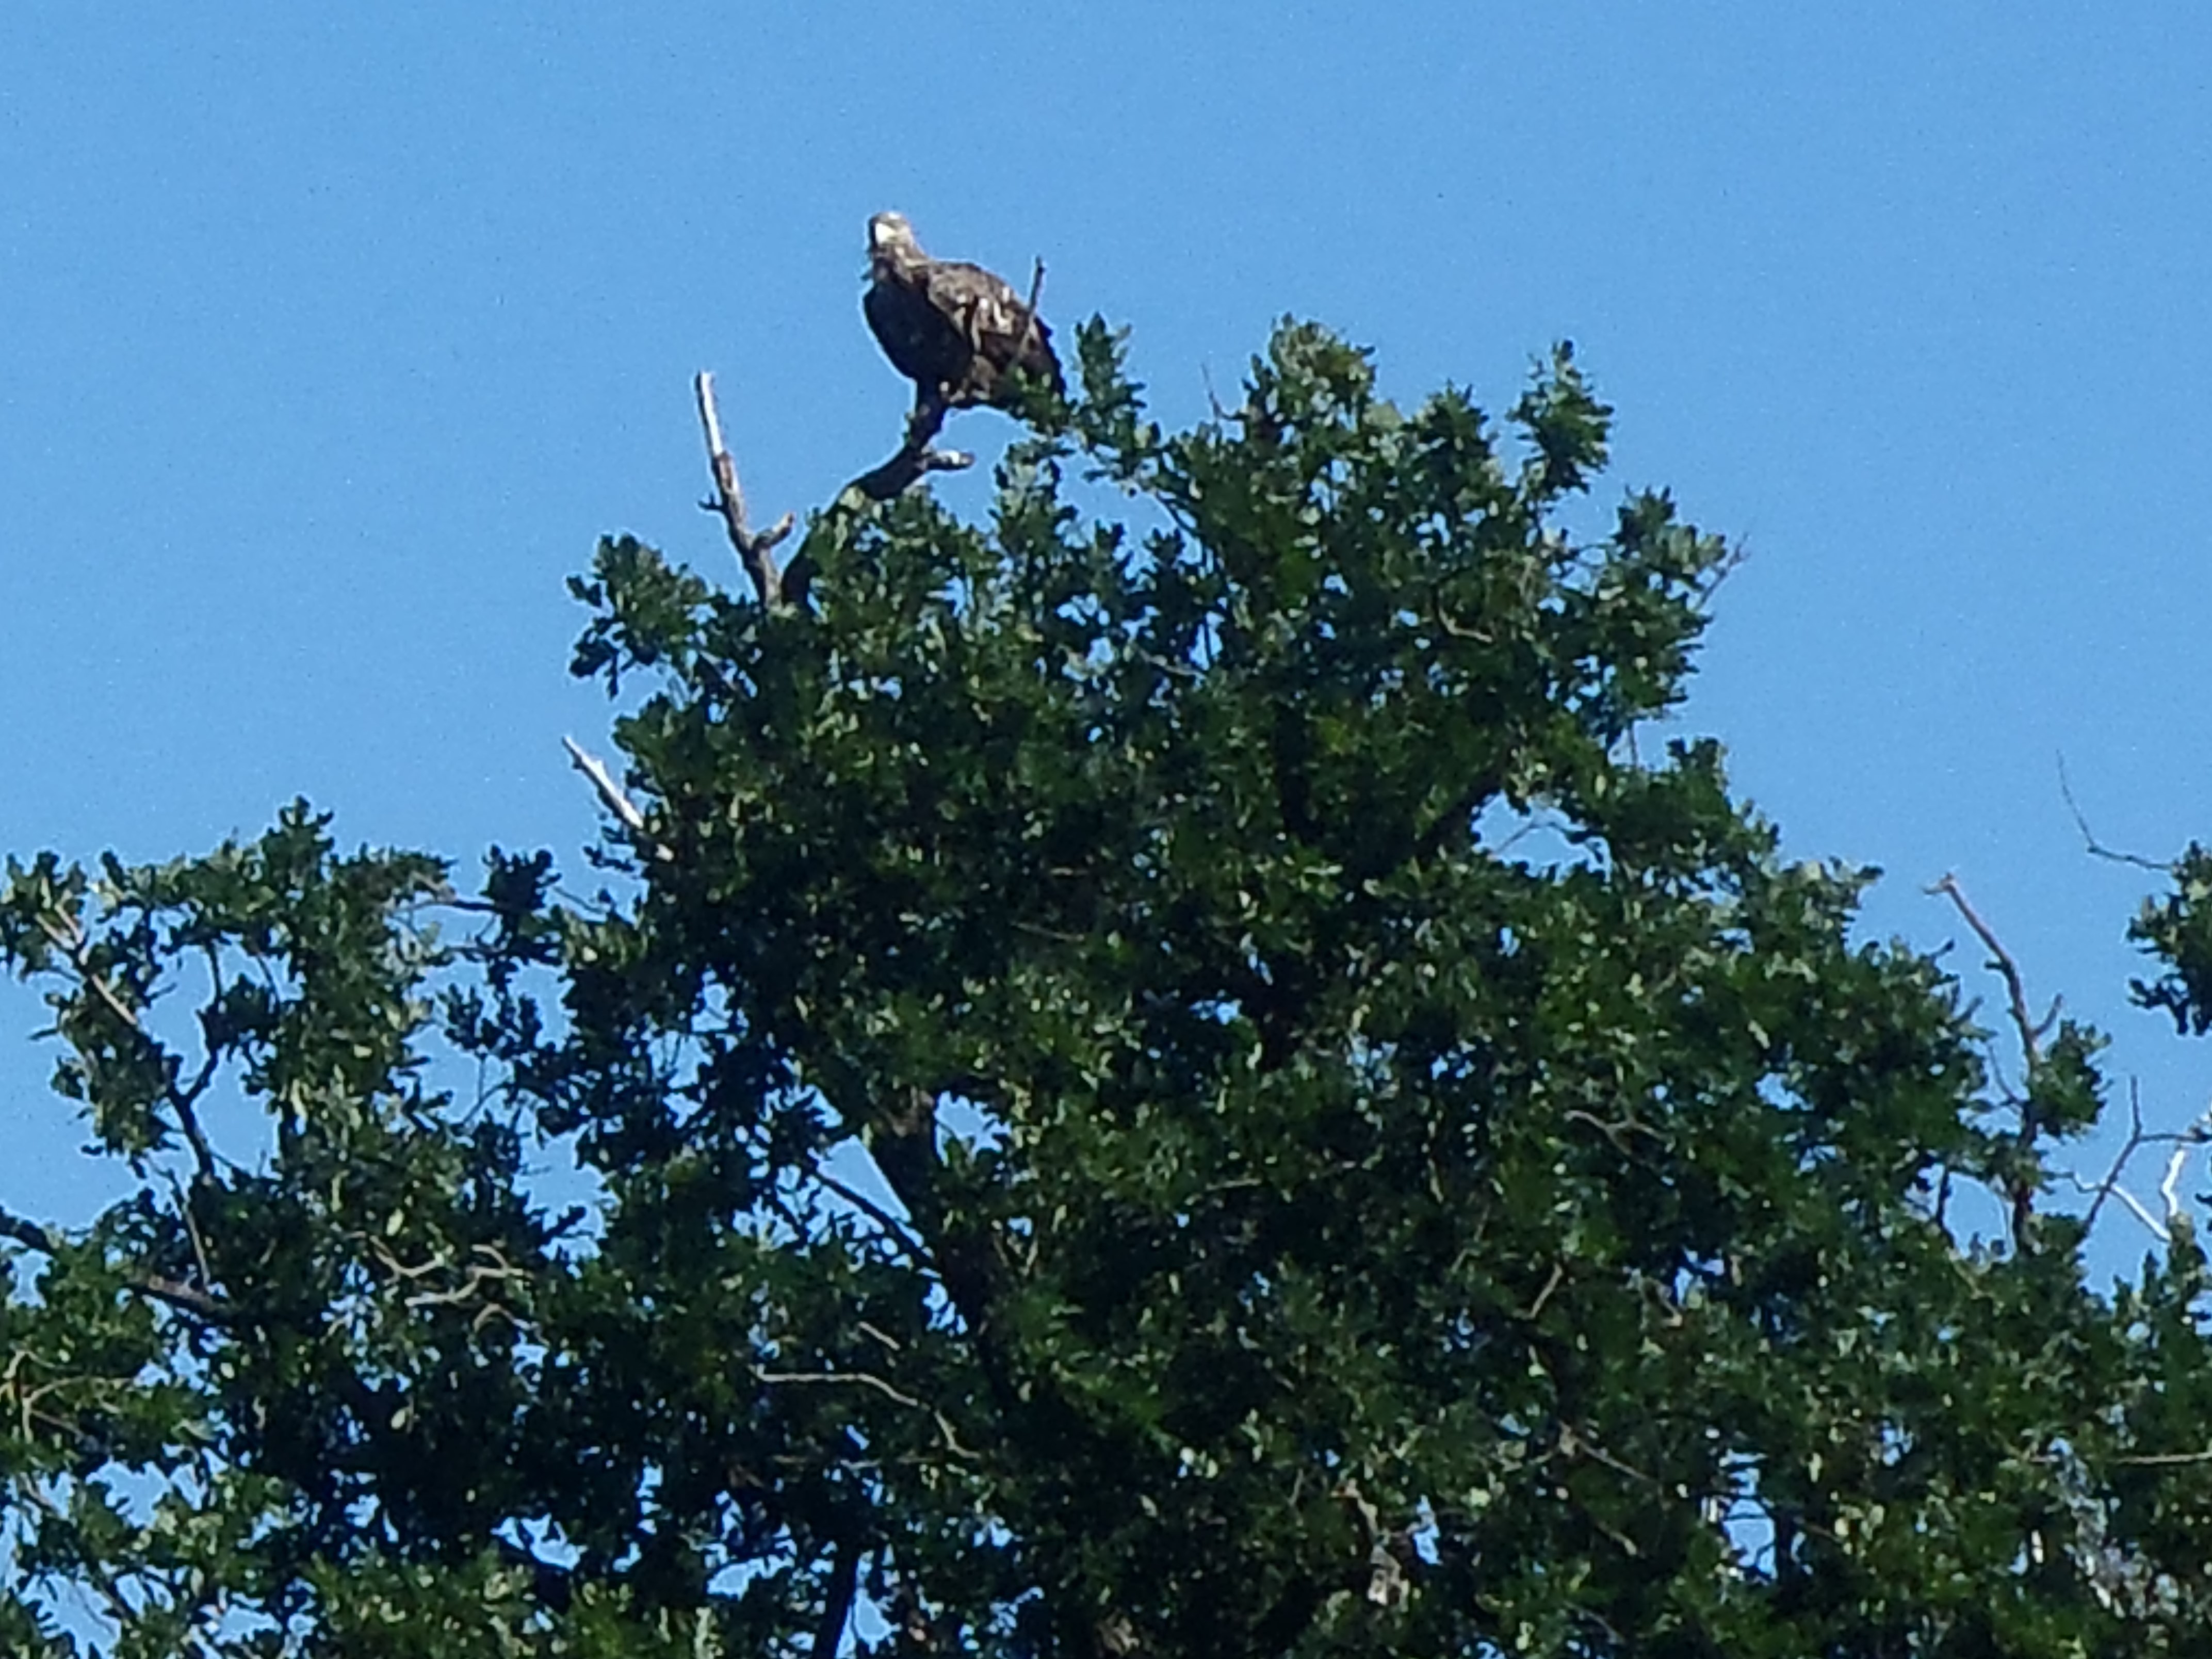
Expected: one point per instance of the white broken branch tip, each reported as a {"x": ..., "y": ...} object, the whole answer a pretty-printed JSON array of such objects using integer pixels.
[
  {"x": 710, "y": 418},
  {"x": 2169, "y": 1188},
  {"x": 609, "y": 790}
]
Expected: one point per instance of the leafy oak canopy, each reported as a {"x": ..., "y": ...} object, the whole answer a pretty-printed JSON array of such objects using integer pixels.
[{"x": 1177, "y": 1091}]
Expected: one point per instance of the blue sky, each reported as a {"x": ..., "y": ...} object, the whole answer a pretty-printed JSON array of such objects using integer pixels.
[{"x": 331, "y": 338}]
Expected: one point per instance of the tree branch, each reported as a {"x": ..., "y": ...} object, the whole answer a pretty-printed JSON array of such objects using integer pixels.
[
  {"x": 2031, "y": 1034},
  {"x": 837, "y": 1602},
  {"x": 77, "y": 949},
  {"x": 2095, "y": 847},
  {"x": 29, "y": 1233},
  {"x": 2111, "y": 1183},
  {"x": 612, "y": 798},
  {"x": 1029, "y": 317},
  {"x": 869, "y": 1380},
  {"x": 756, "y": 549},
  {"x": 915, "y": 459},
  {"x": 185, "y": 1298},
  {"x": 906, "y": 1242},
  {"x": 2024, "y": 1023}
]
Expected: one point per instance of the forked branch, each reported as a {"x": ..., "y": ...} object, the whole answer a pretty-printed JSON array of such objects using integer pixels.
[
  {"x": 756, "y": 549},
  {"x": 915, "y": 457},
  {"x": 2026, "y": 1027}
]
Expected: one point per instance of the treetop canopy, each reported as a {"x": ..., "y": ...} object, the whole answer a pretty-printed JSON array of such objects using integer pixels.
[{"x": 1169, "y": 1072}]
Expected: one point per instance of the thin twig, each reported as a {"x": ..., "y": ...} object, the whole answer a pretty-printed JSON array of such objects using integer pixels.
[
  {"x": 2162, "y": 1460},
  {"x": 1544, "y": 1295},
  {"x": 2136, "y": 1137},
  {"x": 1205, "y": 377},
  {"x": 77, "y": 949},
  {"x": 192, "y": 1231},
  {"x": 1616, "y": 1132},
  {"x": 2141, "y": 1210},
  {"x": 907, "y": 1243},
  {"x": 2023, "y": 1195},
  {"x": 72, "y": 944},
  {"x": 884, "y": 1337},
  {"x": 1029, "y": 317},
  {"x": 868, "y": 1379},
  {"x": 2031, "y": 1035},
  {"x": 2095, "y": 847},
  {"x": 756, "y": 550},
  {"x": 120, "y": 1606}
]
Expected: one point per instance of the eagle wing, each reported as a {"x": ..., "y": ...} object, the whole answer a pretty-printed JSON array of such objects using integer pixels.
[
  {"x": 994, "y": 322},
  {"x": 924, "y": 343}
]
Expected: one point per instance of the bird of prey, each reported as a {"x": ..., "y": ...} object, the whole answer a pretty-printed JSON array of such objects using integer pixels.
[{"x": 954, "y": 329}]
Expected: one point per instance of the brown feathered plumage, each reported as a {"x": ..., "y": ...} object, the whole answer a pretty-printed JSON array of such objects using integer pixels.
[{"x": 953, "y": 329}]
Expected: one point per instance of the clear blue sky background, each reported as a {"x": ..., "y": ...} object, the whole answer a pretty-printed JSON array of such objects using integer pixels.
[{"x": 331, "y": 337}]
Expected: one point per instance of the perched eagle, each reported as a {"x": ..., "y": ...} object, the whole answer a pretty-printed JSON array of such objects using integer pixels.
[{"x": 953, "y": 328}]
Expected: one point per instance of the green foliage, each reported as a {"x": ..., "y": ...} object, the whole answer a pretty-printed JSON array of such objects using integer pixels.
[
  {"x": 1163, "y": 1083},
  {"x": 2177, "y": 931}
]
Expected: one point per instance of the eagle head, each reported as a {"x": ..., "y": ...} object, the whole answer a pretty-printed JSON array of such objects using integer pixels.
[{"x": 890, "y": 241}]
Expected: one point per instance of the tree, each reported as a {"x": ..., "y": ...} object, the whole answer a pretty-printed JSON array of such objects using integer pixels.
[{"x": 1168, "y": 1084}]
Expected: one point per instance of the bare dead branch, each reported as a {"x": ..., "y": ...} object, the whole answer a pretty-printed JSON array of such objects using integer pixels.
[
  {"x": 612, "y": 798},
  {"x": 2169, "y": 1188},
  {"x": 2090, "y": 841},
  {"x": 2111, "y": 1183},
  {"x": 756, "y": 549},
  {"x": 2021, "y": 1196},
  {"x": 2024, "y": 1024},
  {"x": 2135, "y": 1205},
  {"x": 2183, "y": 1141},
  {"x": 1029, "y": 314}
]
